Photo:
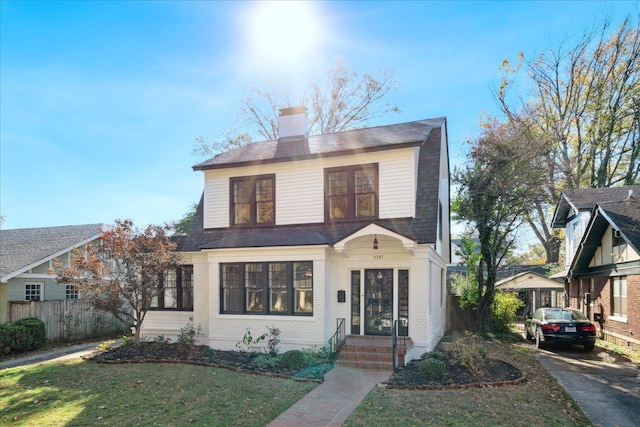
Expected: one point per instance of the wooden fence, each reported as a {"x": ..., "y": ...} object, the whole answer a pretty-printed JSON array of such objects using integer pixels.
[{"x": 68, "y": 320}]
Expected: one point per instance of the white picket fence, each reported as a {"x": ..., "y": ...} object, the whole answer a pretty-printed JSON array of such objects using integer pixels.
[{"x": 68, "y": 320}]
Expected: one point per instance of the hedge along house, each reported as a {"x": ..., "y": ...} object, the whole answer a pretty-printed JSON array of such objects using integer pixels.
[{"x": 309, "y": 233}]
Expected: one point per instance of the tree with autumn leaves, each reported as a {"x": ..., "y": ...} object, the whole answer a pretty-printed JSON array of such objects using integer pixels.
[{"x": 121, "y": 273}]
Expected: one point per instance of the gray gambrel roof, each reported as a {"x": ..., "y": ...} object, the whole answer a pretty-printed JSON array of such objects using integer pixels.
[
  {"x": 334, "y": 144},
  {"x": 425, "y": 134},
  {"x": 25, "y": 248}
]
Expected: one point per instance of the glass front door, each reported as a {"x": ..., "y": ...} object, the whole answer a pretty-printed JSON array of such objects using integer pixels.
[{"x": 378, "y": 302}]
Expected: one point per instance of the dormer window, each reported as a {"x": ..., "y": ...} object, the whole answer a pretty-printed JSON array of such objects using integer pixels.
[
  {"x": 351, "y": 192},
  {"x": 253, "y": 200}
]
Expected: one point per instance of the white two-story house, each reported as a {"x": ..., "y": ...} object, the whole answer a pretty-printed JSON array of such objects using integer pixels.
[{"x": 307, "y": 233}]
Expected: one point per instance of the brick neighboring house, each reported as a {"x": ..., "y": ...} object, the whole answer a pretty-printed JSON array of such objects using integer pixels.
[
  {"x": 305, "y": 231},
  {"x": 602, "y": 271}
]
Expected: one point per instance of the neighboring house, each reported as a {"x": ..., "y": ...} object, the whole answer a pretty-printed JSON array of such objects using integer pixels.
[
  {"x": 602, "y": 268},
  {"x": 535, "y": 290},
  {"x": 304, "y": 231},
  {"x": 26, "y": 256}
]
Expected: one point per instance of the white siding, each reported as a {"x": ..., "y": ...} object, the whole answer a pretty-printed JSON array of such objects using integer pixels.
[
  {"x": 300, "y": 187},
  {"x": 216, "y": 200},
  {"x": 397, "y": 186},
  {"x": 300, "y": 193}
]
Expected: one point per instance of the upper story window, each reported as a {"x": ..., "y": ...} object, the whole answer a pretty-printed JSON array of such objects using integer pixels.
[
  {"x": 351, "y": 192},
  {"x": 253, "y": 200}
]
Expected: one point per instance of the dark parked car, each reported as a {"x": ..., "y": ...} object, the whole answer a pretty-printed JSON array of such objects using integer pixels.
[{"x": 551, "y": 325}]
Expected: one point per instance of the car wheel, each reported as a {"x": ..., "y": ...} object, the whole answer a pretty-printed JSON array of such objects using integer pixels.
[
  {"x": 538, "y": 339},
  {"x": 589, "y": 347}
]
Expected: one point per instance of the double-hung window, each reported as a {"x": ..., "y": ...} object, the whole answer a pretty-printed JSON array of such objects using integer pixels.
[
  {"x": 252, "y": 200},
  {"x": 619, "y": 293},
  {"x": 267, "y": 288},
  {"x": 351, "y": 192},
  {"x": 176, "y": 292}
]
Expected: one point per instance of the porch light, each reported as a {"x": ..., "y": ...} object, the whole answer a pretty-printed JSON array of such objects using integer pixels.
[{"x": 375, "y": 242}]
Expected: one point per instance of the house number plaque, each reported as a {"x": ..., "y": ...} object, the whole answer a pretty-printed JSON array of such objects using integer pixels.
[{"x": 378, "y": 257}]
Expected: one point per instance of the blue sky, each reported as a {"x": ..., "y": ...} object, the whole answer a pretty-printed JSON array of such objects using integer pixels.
[{"x": 100, "y": 101}]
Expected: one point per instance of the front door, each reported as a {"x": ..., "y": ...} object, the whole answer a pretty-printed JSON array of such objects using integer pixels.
[{"x": 378, "y": 302}]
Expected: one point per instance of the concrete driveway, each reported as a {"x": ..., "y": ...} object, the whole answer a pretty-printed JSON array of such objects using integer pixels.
[{"x": 606, "y": 386}]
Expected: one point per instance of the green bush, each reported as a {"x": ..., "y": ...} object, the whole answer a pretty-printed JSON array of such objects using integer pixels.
[
  {"x": 435, "y": 354},
  {"x": 266, "y": 361},
  {"x": 188, "y": 335},
  {"x": 468, "y": 351},
  {"x": 292, "y": 359},
  {"x": 22, "y": 335},
  {"x": 432, "y": 368},
  {"x": 503, "y": 312}
]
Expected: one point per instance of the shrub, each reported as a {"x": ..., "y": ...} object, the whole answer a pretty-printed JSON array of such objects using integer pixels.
[
  {"x": 503, "y": 311},
  {"x": 432, "y": 368},
  {"x": 467, "y": 351},
  {"x": 292, "y": 359},
  {"x": 127, "y": 341},
  {"x": 435, "y": 354},
  {"x": 22, "y": 335},
  {"x": 161, "y": 341},
  {"x": 188, "y": 335},
  {"x": 248, "y": 341},
  {"x": 273, "y": 341},
  {"x": 266, "y": 361},
  {"x": 315, "y": 355},
  {"x": 106, "y": 345}
]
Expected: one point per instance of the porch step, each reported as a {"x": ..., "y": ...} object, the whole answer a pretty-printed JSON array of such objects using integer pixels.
[{"x": 371, "y": 352}]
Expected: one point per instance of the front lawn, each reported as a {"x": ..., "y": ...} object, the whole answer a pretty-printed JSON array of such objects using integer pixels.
[
  {"x": 539, "y": 401},
  {"x": 81, "y": 393}
]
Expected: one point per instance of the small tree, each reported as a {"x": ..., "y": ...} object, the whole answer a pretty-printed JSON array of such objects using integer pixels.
[
  {"x": 494, "y": 193},
  {"x": 123, "y": 272}
]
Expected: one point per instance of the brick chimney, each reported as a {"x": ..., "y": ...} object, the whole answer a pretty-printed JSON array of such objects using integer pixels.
[{"x": 293, "y": 132}]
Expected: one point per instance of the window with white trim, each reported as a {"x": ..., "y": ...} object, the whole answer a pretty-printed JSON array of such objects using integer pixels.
[
  {"x": 71, "y": 291},
  {"x": 33, "y": 291},
  {"x": 619, "y": 296}
]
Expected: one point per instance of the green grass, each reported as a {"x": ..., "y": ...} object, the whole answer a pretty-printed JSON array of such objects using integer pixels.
[
  {"x": 540, "y": 401},
  {"x": 81, "y": 393}
]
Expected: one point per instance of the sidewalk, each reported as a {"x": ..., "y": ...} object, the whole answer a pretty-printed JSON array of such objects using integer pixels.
[
  {"x": 331, "y": 403},
  {"x": 59, "y": 354}
]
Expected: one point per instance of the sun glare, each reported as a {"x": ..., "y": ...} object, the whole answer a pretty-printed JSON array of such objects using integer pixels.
[{"x": 284, "y": 31}]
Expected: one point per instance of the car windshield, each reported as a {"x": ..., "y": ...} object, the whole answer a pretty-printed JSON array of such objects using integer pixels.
[{"x": 561, "y": 314}]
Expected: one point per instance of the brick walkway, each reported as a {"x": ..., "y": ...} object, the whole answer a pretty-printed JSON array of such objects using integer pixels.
[{"x": 331, "y": 403}]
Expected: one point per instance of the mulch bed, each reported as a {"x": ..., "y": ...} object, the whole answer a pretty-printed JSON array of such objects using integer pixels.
[
  {"x": 149, "y": 352},
  {"x": 493, "y": 372}
]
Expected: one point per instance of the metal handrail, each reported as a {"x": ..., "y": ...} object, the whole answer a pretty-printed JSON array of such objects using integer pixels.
[
  {"x": 337, "y": 340},
  {"x": 394, "y": 341}
]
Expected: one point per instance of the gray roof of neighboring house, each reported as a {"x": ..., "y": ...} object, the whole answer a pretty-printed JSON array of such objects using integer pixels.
[
  {"x": 426, "y": 134},
  {"x": 585, "y": 199},
  {"x": 24, "y": 247}
]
